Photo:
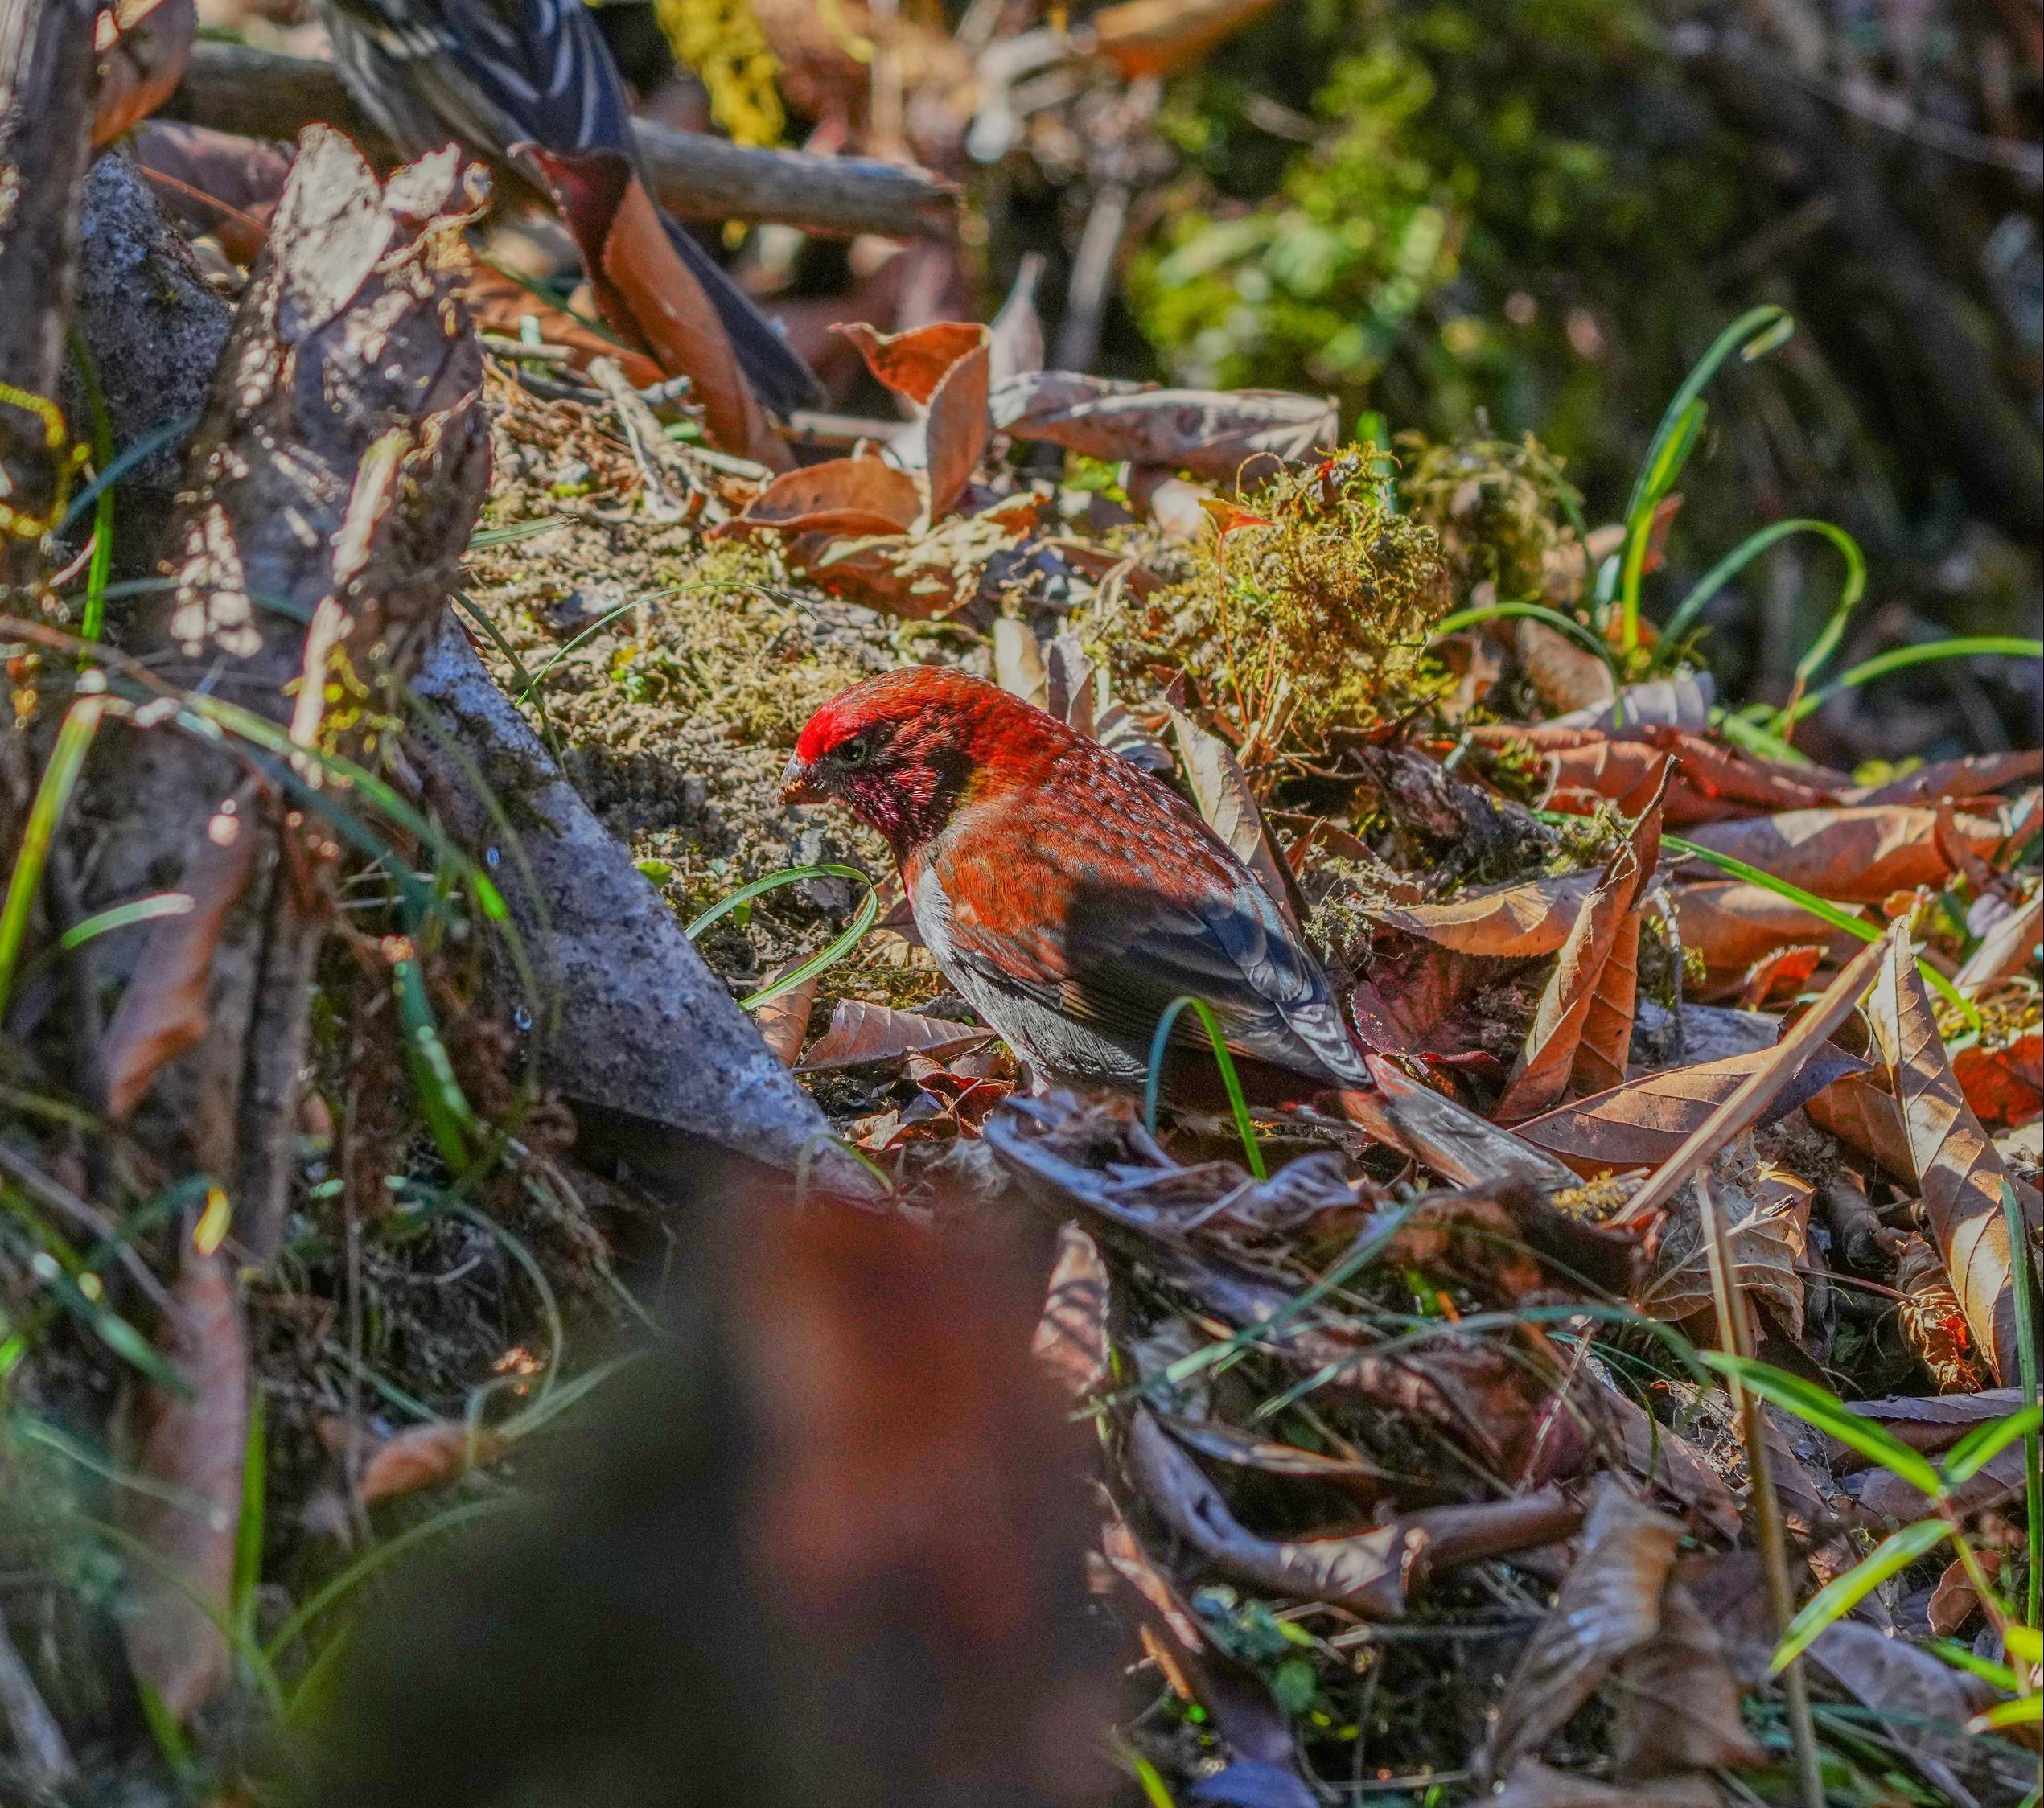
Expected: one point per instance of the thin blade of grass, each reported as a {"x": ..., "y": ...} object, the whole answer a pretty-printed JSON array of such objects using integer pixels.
[
  {"x": 1237, "y": 1104},
  {"x": 67, "y": 759},
  {"x": 1842, "y": 1593},
  {"x": 1750, "y": 549},
  {"x": 1900, "y": 659},
  {"x": 1817, "y": 1405},
  {"x": 1982, "y": 1445}
]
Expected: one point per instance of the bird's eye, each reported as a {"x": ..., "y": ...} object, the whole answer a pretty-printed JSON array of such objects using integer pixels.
[{"x": 855, "y": 751}]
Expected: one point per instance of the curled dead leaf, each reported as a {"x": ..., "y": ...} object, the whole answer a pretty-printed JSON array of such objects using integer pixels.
[{"x": 426, "y": 1456}]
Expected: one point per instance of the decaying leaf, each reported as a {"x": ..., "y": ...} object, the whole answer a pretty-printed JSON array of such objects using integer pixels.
[
  {"x": 1929, "y": 1424},
  {"x": 783, "y": 1021},
  {"x": 1922, "y": 1702},
  {"x": 1731, "y": 924},
  {"x": 1960, "y": 1174},
  {"x": 1642, "y": 1123},
  {"x": 1977, "y": 776},
  {"x": 1221, "y": 789},
  {"x": 645, "y": 289},
  {"x": 1518, "y": 921},
  {"x": 1071, "y": 1337},
  {"x": 2007, "y": 948},
  {"x": 1767, "y": 1225},
  {"x": 862, "y": 495},
  {"x": 1448, "y": 1136},
  {"x": 163, "y": 1012},
  {"x": 1609, "y": 1605},
  {"x": 2004, "y": 1084},
  {"x": 943, "y": 369},
  {"x": 191, "y": 1449},
  {"x": 1852, "y": 855},
  {"x": 1581, "y": 1032},
  {"x": 1677, "y": 1702},
  {"x": 1932, "y": 1320},
  {"x": 868, "y": 1035},
  {"x": 1208, "y": 432}
]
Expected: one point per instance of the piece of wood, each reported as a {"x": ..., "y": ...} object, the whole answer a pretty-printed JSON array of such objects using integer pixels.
[
  {"x": 46, "y": 88},
  {"x": 261, "y": 94},
  {"x": 352, "y": 347}
]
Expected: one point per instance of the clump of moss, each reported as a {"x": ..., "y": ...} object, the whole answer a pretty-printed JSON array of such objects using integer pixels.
[
  {"x": 1504, "y": 513},
  {"x": 1308, "y": 613}
]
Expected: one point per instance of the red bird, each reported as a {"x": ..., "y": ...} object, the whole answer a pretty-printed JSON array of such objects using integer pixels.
[{"x": 1067, "y": 895}]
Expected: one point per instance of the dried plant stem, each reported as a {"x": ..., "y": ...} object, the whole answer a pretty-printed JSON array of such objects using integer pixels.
[
  {"x": 39, "y": 1748},
  {"x": 1768, "y": 1531}
]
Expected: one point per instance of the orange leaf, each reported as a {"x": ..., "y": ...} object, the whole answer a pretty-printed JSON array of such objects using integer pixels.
[
  {"x": 163, "y": 1012},
  {"x": 1581, "y": 1032},
  {"x": 841, "y": 496},
  {"x": 143, "y": 47},
  {"x": 2004, "y": 1085},
  {"x": 427, "y": 1456},
  {"x": 862, "y": 1035}
]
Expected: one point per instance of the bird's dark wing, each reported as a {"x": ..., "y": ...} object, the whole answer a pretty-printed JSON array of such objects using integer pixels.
[
  {"x": 498, "y": 75},
  {"x": 1108, "y": 929}
]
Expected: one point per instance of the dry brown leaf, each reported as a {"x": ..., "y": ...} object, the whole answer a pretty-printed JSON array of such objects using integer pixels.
[
  {"x": 1160, "y": 37},
  {"x": 1676, "y": 1700},
  {"x": 1933, "y": 1323},
  {"x": 645, "y": 289},
  {"x": 1208, "y": 432},
  {"x": 143, "y": 47},
  {"x": 163, "y": 1012},
  {"x": 1767, "y": 1228},
  {"x": 1564, "y": 676},
  {"x": 944, "y": 368},
  {"x": 1642, "y": 1123},
  {"x": 1450, "y": 1138},
  {"x": 1977, "y": 775},
  {"x": 1071, "y": 1339},
  {"x": 1018, "y": 666},
  {"x": 863, "y": 1035},
  {"x": 1922, "y": 1703},
  {"x": 1929, "y": 1424},
  {"x": 1777, "y": 974},
  {"x": 2006, "y": 949},
  {"x": 1732, "y": 924},
  {"x": 1221, "y": 789},
  {"x": 783, "y": 1022},
  {"x": 1610, "y": 1604},
  {"x": 1789, "y": 1062},
  {"x": 502, "y": 305},
  {"x": 216, "y": 183},
  {"x": 1957, "y": 1171},
  {"x": 1678, "y": 703},
  {"x": 191, "y": 1449},
  {"x": 1860, "y": 1110},
  {"x": 859, "y": 496},
  {"x": 1855, "y": 856},
  {"x": 427, "y": 1456},
  {"x": 1581, "y": 1032},
  {"x": 1504, "y": 922}
]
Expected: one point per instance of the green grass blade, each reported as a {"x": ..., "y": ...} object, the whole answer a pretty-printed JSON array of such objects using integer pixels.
[
  {"x": 163, "y": 435},
  {"x": 67, "y": 759},
  {"x": 1553, "y": 618},
  {"x": 124, "y": 916},
  {"x": 1660, "y": 475},
  {"x": 1841, "y": 1595},
  {"x": 773, "y": 881},
  {"x": 1750, "y": 549},
  {"x": 1818, "y": 1406},
  {"x": 1153, "y": 1086},
  {"x": 1833, "y": 914},
  {"x": 1754, "y": 334},
  {"x": 1900, "y": 659},
  {"x": 1982, "y": 1445},
  {"x": 445, "y": 1106},
  {"x": 486, "y": 537},
  {"x": 847, "y": 939}
]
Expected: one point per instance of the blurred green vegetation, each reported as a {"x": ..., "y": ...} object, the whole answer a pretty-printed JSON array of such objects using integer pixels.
[{"x": 1497, "y": 226}]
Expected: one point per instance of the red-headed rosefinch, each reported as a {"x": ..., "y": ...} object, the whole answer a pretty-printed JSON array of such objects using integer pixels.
[
  {"x": 1067, "y": 895},
  {"x": 530, "y": 85}
]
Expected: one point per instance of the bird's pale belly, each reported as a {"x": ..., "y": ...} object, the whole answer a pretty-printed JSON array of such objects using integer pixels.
[{"x": 1052, "y": 1043}]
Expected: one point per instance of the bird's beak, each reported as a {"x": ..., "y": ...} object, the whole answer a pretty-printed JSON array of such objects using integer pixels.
[{"x": 799, "y": 783}]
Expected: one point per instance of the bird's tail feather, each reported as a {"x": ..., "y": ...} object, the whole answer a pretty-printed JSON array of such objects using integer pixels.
[{"x": 778, "y": 377}]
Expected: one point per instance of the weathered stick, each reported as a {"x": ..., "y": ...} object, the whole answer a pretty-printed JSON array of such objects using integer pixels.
[
  {"x": 46, "y": 113},
  {"x": 332, "y": 486},
  {"x": 639, "y": 1025},
  {"x": 260, "y": 94}
]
